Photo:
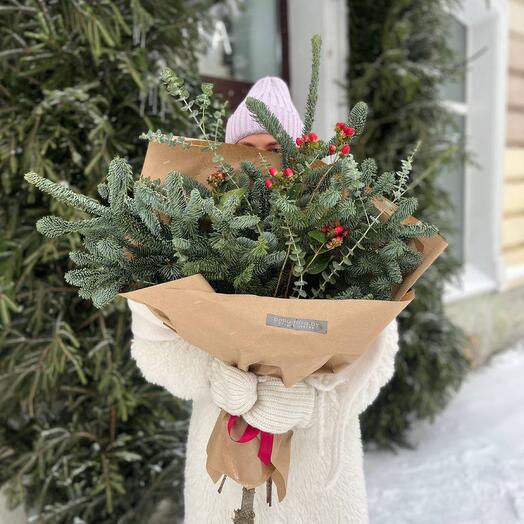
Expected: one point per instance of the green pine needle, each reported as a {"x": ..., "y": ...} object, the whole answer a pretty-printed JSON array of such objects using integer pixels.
[{"x": 312, "y": 96}]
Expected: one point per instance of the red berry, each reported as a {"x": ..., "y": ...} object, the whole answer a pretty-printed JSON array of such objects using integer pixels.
[
  {"x": 349, "y": 131},
  {"x": 345, "y": 149},
  {"x": 339, "y": 230},
  {"x": 306, "y": 138},
  {"x": 299, "y": 141},
  {"x": 332, "y": 148},
  {"x": 340, "y": 125},
  {"x": 268, "y": 182},
  {"x": 288, "y": 172},
  {"x": 339, "y": 238},
  {"x": 313, "y": 137},
  {"x": 272, "y": 171}
]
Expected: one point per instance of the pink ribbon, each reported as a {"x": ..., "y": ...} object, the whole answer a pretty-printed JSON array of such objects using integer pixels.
[{"x": 266, "y": 439}]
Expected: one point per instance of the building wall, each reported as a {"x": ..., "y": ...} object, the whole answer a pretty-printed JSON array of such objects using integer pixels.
[
  {"x": 488, "y": 301},
  {"x": 513, "y": 199},
  {"x": 328, "y": 18}
]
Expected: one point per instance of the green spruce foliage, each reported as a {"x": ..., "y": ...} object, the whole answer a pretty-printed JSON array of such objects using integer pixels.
[
  {"x": 83, "y": 438},
  {"x": 307, "y": 230},
  {"x": 399, "y": 60}
]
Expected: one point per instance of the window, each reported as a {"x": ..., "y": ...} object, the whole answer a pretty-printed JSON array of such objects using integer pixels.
[
  {"x": 244, "y": 43},
  {"x": 477, "y": 32},
  {"x": 454, "y": 96}
]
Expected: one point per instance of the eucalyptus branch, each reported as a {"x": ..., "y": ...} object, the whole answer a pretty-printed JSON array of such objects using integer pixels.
[
  {"x": 281, "y": 272},
  {"x": 297, "y": 256}
]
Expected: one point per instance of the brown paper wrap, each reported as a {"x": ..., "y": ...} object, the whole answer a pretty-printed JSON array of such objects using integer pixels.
[
  {"x": 237, "y": 328},
  {"x": 234, "y": 328},
  {"x": 162, "y": 159}
]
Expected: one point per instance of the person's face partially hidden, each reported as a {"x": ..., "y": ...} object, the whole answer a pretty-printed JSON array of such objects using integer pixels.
[{"x": 263, "y": 141}]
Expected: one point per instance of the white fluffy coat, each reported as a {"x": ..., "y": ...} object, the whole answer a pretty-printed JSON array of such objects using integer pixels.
[{"x": 326, "y": 480}]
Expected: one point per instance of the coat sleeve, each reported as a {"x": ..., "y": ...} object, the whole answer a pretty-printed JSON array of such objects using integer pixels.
[
  {"x": 359, "y": 384},
  {"x": 167, "y": 360}
]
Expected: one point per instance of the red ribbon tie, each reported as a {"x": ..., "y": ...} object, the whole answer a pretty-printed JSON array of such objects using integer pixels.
[{"x": 266, "y": 439}]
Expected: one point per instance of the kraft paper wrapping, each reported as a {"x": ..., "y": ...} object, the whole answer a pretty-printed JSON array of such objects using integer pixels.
[
  {"x": 287, "y": 338},
  {"x": 236, "y": 328},
  {"x": 162, "y": 159}
]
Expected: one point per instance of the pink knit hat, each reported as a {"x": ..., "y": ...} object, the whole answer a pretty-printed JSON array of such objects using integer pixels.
[{"x": 274, "y": 93}]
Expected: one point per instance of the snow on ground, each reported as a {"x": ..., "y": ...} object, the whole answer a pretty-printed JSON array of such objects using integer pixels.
[{"x": 468, "y": 466}]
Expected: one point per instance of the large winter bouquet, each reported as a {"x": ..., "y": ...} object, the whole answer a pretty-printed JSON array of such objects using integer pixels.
[{"x": 265, "y": 260}]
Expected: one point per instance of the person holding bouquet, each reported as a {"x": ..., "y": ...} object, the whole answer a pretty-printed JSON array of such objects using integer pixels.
[{"x": 326, "y": 482}]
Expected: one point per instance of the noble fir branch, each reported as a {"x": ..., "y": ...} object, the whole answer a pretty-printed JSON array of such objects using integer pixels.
[
  {"x": 358, "y": 116},
  {"x": 62, "y": 193},
  {"x": 53, "y": 227},
  {"x": 271, "y": 124},
  {"x": 119, "y": 182},
  {"x": 312, "y": 96}
]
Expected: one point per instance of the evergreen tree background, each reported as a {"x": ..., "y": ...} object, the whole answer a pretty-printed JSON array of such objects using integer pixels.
[
  {"x": 83, "y": 438},
  {"x": 399, "y": 60}
]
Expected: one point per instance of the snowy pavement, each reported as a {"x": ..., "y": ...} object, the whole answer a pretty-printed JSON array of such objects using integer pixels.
[{"x": 467, "y": 467}]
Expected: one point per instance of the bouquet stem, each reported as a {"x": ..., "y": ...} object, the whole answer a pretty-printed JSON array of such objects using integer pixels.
[{"x": 246, "y": 514}]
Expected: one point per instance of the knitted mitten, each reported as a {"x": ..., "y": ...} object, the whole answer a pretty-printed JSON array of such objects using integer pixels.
[
  {"x": 233, "y": 390},
  {"x": 279, "y": 408}
]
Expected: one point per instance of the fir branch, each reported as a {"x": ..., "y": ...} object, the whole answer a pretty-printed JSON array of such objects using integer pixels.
[
  {"x": 312, "y": 96},
  {"x": 358, "y": 116},
  {"x": 271, "y": 124},
  {"x": 119, "y": 182},
  {"x": 53, "y": 226},
  {"x": 62, "y": 193}
]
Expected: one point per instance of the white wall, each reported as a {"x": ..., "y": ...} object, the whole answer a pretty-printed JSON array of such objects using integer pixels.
[
  {"x": 485, "y": 130},
  {"x": 329, "y": 19}
]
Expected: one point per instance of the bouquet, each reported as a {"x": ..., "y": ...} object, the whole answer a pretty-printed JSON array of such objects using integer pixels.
[{"x": 264, "y": 260}]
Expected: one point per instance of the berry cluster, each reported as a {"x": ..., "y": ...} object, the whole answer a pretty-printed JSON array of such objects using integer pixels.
[
  {"x": 335, "y": 233},
  {"x": 309, "y": 144},
  {"x": 344, "y": 130},
  {"x": 304, "y": 139},
  {"x": 278, "y": 178},
  {"x": 215, "y": 180},
  {"x": 344, "y": 134},
  {"x": 344, "y": 150}
]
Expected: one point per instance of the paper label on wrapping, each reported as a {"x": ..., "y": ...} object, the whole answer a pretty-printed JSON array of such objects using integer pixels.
[{"x": 297, "y": 324}]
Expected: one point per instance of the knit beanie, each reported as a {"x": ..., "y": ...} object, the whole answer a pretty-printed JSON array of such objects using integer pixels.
[{"x": 274, "y": 93}]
